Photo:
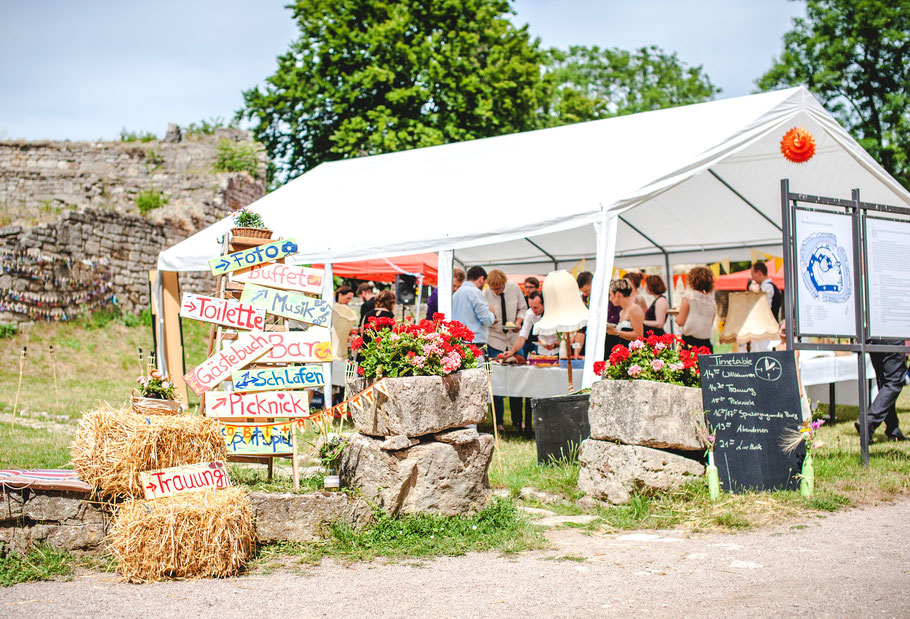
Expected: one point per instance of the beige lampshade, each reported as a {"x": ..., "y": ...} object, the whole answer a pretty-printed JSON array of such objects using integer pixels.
[
  {"x": 563, "y": 310},
  {"x": 749, "y": 318},
  {"x": 344, "y": 318}
]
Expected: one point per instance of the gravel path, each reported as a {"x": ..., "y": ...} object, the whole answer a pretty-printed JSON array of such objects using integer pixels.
[{"x": 851, "y": 563}]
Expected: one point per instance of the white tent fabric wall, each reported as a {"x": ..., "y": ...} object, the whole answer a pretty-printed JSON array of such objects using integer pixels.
[{"x": 694, "y": 183}]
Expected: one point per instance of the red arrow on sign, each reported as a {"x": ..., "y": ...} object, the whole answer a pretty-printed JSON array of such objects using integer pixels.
[
  {"x": 190, "y": 306},
  {"x": 152, "y": 487}
]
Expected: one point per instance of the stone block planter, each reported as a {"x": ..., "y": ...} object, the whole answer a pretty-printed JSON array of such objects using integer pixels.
[
  {"x": 421, "y": 405},
  {"x": 304, "y": 517},
  {"x": 647, "y": 413},
  {"x": 612, "y": 472}
]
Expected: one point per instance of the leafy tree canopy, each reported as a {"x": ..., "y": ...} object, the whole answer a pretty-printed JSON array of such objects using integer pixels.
[{"x": 853, "y": 55}]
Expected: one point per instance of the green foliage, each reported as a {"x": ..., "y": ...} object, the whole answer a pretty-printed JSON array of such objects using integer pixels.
[
  {"x": 137, "y": 136},
  {"x": 237, "y": 157},
  {"x": 150, "y": 199},
  {"x": 25, "y": 447},
  {"x": 206, "y": 127},
  {"x": 42, "y": 563},
  {"x": 245, "y": 218},
  {"x": 8, "y": 329},
  {"x": 852, "y": 55},
  {"x": 376, "y": 76},
  {"x": 587, "y": 83}
]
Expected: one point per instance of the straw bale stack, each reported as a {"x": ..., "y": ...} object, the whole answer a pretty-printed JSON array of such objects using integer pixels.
[
  {"x": 203, "y": 534},
  {"x": 111, "y": 447}
]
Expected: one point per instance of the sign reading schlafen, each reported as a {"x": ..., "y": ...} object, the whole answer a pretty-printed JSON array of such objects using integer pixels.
[
  {"x": 247, "y": 348},
  {"x": 291, "y": 377},
  {"x": 287, "y": 304},
  {"x": 252, "y": 257},
  {"x": 311, "y": 346},
  {"x": 167, "y": 482},
  {"x": 223, "y": 312},
  {"x": 223, "y": 404},
  {"x": 283, "y": 276}
]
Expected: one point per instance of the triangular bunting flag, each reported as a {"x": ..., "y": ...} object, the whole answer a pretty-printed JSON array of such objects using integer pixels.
[
  {"x": 247, "y": 433},
  {"x": 229, "y": 431},
  {"x": 381, "y": 388},
  {"x": 623, "y": 273},
  {"x": 715, "y": 268},
  {"x": 368, "y": 395},
  {"x": 768, "y": 257},
  {"x": 754, "y": 256},
  {"x": 685, "y": 279},
  {"x": 267, "y": 434},
  {"x": 726, "y": 265},
  {"x": 778, "y": 263},
  {"x": 355, "y": 401}
]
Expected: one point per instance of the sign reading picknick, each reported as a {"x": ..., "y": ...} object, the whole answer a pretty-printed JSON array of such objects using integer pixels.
[
  {"x": 288, "y": 404},
  {"x": 247, "y": 348},
  {"x": 286, "y": 304},
  {"x": 751, "y": 401},
  {"x": 251, "y": 257},
  {"x": 283, "y": 276},
  {"x": 222, "y": 311}
]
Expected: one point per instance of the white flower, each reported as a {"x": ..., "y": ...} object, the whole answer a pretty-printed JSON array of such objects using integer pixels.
[{"x": 474, "y": 527}]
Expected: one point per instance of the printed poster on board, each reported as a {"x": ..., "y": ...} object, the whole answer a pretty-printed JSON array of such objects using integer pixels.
[{"x": 888, "y": 256}]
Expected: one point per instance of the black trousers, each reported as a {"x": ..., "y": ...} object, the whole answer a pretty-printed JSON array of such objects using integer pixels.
[{"x": 889, "y": 375}]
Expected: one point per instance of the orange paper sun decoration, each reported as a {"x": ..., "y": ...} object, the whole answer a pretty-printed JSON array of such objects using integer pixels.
[{"x": 797, "y": 145}]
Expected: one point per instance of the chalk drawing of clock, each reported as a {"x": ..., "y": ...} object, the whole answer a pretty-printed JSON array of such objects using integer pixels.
[{"x": 768, "y": 368}]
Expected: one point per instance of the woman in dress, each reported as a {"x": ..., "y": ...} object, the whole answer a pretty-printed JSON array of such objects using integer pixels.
[
  {"x": 697, "y": 309},
  {"x": 384, "y": 308},
  {"x": 631, "y": 316},
  {"x": 656, "y": 314},
  {"x": 635, "y": 277}
]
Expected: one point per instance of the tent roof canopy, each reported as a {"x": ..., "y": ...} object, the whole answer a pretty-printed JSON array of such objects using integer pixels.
[{"x": 700, "y": 182}]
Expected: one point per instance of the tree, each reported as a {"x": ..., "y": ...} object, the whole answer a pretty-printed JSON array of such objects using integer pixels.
[
  {"x": 374, "y": 76},
  {"x": 586, "y": 83},
  {"x": 852, "y": 54}
]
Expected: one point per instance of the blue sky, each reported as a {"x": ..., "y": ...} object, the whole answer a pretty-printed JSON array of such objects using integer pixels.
[{"x": 82, "y": 70}]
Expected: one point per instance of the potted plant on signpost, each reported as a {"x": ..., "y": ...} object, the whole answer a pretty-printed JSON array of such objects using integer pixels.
[
  {"x": 331, "y": 446},
  {"x": 156, "y": 395},
  {"x": 250, "y": 225}
]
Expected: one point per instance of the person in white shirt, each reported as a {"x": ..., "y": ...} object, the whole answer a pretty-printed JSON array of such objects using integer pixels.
[{"x": 548, "y": 344}]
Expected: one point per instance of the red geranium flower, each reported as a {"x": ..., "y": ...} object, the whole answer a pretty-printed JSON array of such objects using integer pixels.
[
  {"x": 438, "y": 317},
  {"x": 357, "y": 343},
  {"x": 599, "y": 367}
]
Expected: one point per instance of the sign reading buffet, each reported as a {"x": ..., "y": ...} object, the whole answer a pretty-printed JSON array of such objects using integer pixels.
[
  {"x": 252, "y": 257},
  {"x": 223, "y": 312},
  {"x": 283, "y": 276},
  {"x": 269, "y": 404},
  {"x": 291, "y": 377},
  {"x": 247, "y": 348},
  {"x": 293, "y": 305}
]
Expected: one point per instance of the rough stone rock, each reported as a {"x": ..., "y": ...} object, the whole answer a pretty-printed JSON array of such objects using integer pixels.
[
  {"x": 461, "y": 436},
  {"x": 555, "y": 521},
  {"x": 64, "y": 520},
  {"x": 174, "y": 134},
  {"x": 303, "y": 517},
  {"x": 530, "y": 493},
  {"x": 612, "y": 472},
  {"x": 431, "y": 477},
  {"x": 400, "y": 441},
  {"x": 421, "y": 405},
  {"x": 648, "y": 413}
]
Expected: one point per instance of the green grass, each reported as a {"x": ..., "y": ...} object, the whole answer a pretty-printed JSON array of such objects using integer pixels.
[
  {"x": 42, "y": 563},
  {"x": 23, "y": 447}
]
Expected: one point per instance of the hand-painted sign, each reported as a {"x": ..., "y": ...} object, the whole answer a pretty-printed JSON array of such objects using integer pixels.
[
  {"x": 283, "y": 276},
  {"x": 252, "y": 257},
  {"x": 289, "y": 404},
  {"x": 292, "y": 305},
  {"x": 223, "y": 312},
  {"x": 251, "y": 439},
  {"x": 167, "y": 482},
  {"x": 311, "y": 346},
  {"x": 291, "y": 377},
  {"x": 247, "y": 348}
]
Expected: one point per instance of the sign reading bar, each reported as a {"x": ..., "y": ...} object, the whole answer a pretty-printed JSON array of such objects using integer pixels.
[
  {"x": 751, "y": 400},
  {"x": 223, "y": 312},
  {"x": 250, "y": 439},
  {"x": 247, "y": 348},
  {"x": 283, "y": 276},
  {"x": 252, "y": 257},
  {"x": 292, "y": 377},
  {"x": 289, "y": 404},
  {"x": 293, "y": 305},
  {"x": 167, "y": 482},
  {"x": 311, "y": 346}
]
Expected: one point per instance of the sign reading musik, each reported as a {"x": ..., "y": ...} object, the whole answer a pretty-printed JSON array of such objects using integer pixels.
[
  {"x": 751, "y": 400},
  {"x": 252, "y": 257},
  {"x": 286, "y": 304},
  {"x": 291, "y": 377}
]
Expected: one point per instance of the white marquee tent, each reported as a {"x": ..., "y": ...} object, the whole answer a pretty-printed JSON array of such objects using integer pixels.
[{"x": 697, "y": 183}]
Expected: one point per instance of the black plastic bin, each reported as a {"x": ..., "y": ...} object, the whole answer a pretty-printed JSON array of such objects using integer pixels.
[{"x": 560, "y": 425}]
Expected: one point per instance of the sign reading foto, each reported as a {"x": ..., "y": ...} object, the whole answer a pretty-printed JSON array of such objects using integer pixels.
[
  {"x": 283, "y": 276},
  {"x": 252, "y": 257},
  {"x": 247, "y": 348},
  {"x": 223, "y": 312},
  {"x": 311, "y": 346},
  {"x": 222, "y": 404},
  {"x": 167, "y": 482},
  {"x": 250, "y": 439},
  {"x": 292, "y": 377},
  {"x": 287, "y": 304}
]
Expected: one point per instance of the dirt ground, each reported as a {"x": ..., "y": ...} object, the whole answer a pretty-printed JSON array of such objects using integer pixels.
[{"x": 855, "y": 562}]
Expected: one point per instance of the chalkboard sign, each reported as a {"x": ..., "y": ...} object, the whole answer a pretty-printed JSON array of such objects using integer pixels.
[{"x": 750, "y": 400}]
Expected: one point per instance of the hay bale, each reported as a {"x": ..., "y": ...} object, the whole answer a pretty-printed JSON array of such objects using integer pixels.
[
  {"x": 111, "y": 447},
  {"x": 201, "y": 534}
]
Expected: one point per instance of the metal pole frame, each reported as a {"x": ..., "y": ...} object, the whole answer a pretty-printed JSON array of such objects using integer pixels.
[{"x": 857, "y": 210}]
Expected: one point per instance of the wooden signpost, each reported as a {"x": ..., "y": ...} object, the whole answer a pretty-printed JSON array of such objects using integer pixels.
[
  {"x": 288, "y": 377},
  {"x": 287, "y": 304},
  {"x": 252, "y": 257},
  {"x": 168, "y": 482},
  {"x": 227, "y": 404},
  {"x": 247, "y": 348},
  {"x": 311, "y": 346},
  {"x": 283, "y": 277},
  {"x": 252, "y": 439},
  {"x": 222, "y": 312}
]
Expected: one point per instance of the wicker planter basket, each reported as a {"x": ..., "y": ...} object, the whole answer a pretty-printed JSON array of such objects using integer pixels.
[
  {"x": 252, "y": 233},
  {"x": 154, "y": 406}
]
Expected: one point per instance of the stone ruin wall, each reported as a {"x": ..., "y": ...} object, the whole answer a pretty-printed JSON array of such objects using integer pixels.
[{"x": 72, "y": 237}]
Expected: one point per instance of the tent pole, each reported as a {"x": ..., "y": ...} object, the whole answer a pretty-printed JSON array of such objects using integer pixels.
[
  {"x": 545, "y": 253},
  {"x": 328, "y": 295},
  {"x": 444, "y": 268}
]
